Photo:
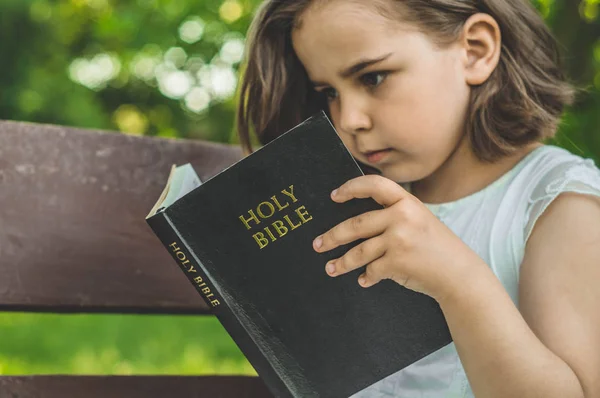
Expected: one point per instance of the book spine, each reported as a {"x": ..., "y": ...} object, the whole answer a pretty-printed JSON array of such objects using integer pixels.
[
  {"x": 217, "y": 304},
  {"x": 187, "y": 263}
]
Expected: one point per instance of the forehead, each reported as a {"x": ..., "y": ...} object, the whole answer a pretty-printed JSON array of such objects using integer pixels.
[
  {"x": 351, "y": 8},
  {"x": 337, "y": 32},
  {"x": 343, "y": 16}
]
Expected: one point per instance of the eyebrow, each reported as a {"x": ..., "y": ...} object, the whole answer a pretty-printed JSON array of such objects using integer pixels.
[{"x": 357, "y": 67}]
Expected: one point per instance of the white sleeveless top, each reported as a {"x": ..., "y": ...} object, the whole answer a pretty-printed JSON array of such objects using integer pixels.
[{"x": 496, "y": 223}]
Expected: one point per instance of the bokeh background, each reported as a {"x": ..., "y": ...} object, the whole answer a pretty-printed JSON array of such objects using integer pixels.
[{"x": 170, "y": 68}]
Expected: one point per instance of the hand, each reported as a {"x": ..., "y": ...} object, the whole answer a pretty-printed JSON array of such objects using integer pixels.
[{"x": 404, "y": 242}]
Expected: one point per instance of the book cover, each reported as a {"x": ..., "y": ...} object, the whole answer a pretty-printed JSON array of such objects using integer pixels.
[{"x": 244, "y": 240}]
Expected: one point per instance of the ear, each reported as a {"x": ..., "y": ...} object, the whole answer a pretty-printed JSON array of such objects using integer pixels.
[{"x": 482, "y": 42}]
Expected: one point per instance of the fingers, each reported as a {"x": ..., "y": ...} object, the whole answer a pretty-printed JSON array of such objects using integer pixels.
[
  {"x": 374, "y": 273},
  {"x": 370, "y": 226},
  {"x": 384, "y": 191},
  {"x": 379, "y": 270},
  {"x": 362, "y": 226},
  {"x": 364, "y": 253}
]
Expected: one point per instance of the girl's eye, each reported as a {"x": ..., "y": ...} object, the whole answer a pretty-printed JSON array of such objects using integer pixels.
[
  {"x": 373, "y": 79},
  {"x": 330, "y": 93}
]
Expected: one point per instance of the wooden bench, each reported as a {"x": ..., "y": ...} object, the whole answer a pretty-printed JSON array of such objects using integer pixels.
[{"x": 73, "y": 240}]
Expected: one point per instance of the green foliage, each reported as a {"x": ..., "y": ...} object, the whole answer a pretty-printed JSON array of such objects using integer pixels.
[
  {"x": 168, "y": 68},
  {"x": 130, "y": 66},
  {"x": 117, "y": 344}
]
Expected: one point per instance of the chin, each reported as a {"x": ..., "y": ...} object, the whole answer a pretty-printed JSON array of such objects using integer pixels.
[{"x": 402, "y": 175}]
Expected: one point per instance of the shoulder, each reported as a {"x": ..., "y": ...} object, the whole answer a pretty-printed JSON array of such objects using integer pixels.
[
  {"x": 563, "y": 214},
  {"x": 552, "y": 173},
  {"x": 570, "y": 215},
  {"x": 563, "y": 200},
  {"x": 566, "y": 237}
]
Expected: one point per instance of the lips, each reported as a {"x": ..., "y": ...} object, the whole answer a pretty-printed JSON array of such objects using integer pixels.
[{"x": 377, "y": 156}]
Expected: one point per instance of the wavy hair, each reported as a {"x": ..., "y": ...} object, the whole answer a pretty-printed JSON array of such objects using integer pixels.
[{"x": 520, "y": 103}]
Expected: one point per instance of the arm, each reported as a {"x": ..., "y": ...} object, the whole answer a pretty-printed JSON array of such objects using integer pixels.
[
  {"x": 550, "y": 350},
  {"x": 552, "y": 347}
]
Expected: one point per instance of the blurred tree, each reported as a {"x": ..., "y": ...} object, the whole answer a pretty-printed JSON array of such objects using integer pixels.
[
  {"x": 577, "y": 28},
  {"x": 169, "y": 68},
  {"x": 155, "y": 67}
]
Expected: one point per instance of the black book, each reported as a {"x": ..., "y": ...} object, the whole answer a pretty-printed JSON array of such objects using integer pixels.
[{"x": 244, "y": 240}]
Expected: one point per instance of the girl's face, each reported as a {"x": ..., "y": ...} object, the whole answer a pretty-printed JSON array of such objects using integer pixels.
[{"x": 397, "y": 101}]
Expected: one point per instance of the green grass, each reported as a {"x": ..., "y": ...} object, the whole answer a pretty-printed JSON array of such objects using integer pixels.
[{"x": 117, "y": 345}]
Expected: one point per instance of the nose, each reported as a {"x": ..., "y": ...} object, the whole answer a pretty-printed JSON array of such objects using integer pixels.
[{"x": 354, "y": 117}]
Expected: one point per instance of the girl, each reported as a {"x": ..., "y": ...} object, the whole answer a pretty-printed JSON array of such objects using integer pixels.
[{"x": 449, "y": 101}]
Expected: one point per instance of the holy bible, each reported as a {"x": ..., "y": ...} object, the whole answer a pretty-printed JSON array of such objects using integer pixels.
[{"x": 244, "y": 240}]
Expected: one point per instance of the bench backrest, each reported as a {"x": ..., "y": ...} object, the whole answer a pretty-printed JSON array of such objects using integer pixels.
[
  {"x": 72, "y": 232},
  {"x": 73, "y": 238}
]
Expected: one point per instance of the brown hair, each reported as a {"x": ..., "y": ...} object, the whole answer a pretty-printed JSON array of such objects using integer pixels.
[{"x": 520, "y": 103}]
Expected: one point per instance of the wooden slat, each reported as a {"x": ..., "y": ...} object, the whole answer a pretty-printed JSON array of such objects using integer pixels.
[
  {"x": 132, "y": 387},
  {"x": 72, "y": 232}
]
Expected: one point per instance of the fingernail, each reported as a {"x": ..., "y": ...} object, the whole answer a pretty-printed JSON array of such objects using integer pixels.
[
  {"x": 334, "y": 193},
  {"x": 330, "y": 268},
  {"x": 362, "y": 280},
  {"x": 318, "y": 242}
]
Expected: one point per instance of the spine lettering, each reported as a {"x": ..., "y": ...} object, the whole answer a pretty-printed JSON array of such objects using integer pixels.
[{"x": 199, "y": 282}]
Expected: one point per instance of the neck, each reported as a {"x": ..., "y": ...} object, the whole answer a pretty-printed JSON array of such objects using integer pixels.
[{"x": 462, "y": 174}]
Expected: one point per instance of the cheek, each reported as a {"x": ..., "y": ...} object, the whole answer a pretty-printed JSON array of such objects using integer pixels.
[
  {"x": 348, "y": 140},
  {"x": 449, "y": 93},
  {"x": 430, "y": 105}
]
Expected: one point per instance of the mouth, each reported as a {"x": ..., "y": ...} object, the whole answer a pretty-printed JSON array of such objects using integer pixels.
[{"x": 377, "y": 156}]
